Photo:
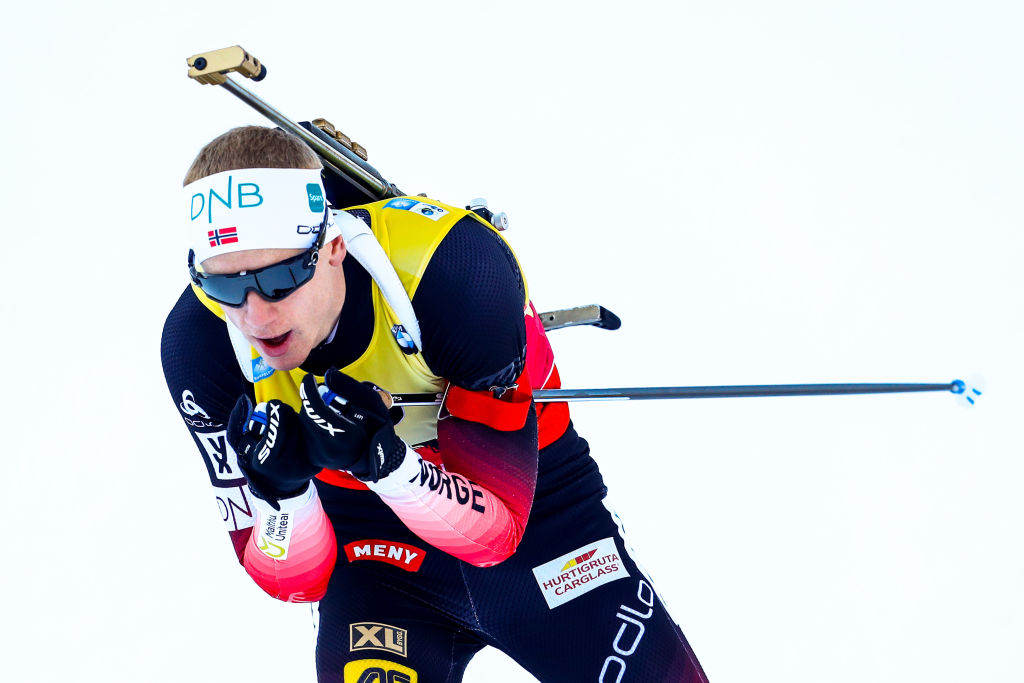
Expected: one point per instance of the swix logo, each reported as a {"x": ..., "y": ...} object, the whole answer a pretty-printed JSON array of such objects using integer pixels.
[
  {"x": 312, "y": 414},
  {"x": 374, "y": 636},
  {"x": 380, "y": 455},
  {"x": 578, "y": 559},
  {"x": 378, "y": 671},
  {"x": 631, "y": 632},
  {"x": 398, "y": 554},
  {"x": 268, "y": 444}
]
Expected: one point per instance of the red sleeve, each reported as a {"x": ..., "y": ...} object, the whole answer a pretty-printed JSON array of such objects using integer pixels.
[{"x": 291, "y": 552}]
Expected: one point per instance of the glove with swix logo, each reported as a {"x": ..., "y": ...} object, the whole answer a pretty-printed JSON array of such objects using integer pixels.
[
  {"x": 268, "y": 443},
  {"x": 348, "y": 427}
]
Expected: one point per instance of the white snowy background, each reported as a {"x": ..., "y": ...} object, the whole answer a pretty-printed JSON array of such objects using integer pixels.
[{"x": 779, "y": 192}]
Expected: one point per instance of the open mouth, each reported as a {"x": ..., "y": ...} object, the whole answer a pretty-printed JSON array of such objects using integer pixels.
[
  {"x": 272, "y": 344},
  {"x": 276, "y": 341}
]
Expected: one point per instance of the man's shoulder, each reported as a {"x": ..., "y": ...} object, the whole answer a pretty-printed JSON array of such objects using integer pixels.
[
  {"x": 191, "y": 327},
  {"x": 198, "y": 361},
  {"x": 470, "y": 305}
]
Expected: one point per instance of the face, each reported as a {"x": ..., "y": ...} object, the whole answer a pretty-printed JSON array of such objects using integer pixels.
[{"x": 285, "y": 331}]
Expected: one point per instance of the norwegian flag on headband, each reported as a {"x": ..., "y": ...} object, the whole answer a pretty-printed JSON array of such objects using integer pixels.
[{"x": 223, "y": 236}]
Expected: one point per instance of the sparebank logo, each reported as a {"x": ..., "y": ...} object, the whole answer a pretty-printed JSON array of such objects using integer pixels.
[
  {"x": 404, "y": 204},
  {"x": 370, "y": 635},
  {"x": 316, "y": 197},
  {"x": 378, "y": 671},
  {"x": 578, "y": 572},
  {"x": 260, "y": 369},
  {"x": 398, "y": 554},
  {"x": 431, "y": 211}
]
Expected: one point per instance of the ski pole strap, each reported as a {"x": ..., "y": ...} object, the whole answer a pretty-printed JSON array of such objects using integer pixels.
[
  {"x": 506, "y": 414},
  {"x": 750, "y": 391}
]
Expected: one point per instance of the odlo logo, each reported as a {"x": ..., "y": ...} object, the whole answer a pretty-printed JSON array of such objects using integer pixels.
[
  {"x": 316, "y": 197},
  {"x": 378, "y": 671},
  {"x": 630, "y": 633}
]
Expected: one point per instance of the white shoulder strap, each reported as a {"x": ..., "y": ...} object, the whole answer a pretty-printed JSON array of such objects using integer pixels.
[
  {"x": 242, "y": 349},
  {"x": 363, "y": 245}
]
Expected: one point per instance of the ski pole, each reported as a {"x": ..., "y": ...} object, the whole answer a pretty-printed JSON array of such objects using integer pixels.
[{"x": 750, "y": 391}]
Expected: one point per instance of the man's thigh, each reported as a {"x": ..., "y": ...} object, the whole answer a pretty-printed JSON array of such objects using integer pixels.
[
  {"x": 572, "y": 605},
  {"x": 370, "y": 632}
]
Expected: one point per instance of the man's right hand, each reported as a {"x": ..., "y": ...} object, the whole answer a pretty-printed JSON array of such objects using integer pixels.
[
  {"x": 268, "y": 442},
  {"x": 348, "y": 426}
]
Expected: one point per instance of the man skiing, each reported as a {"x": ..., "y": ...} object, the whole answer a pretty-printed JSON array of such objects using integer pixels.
[{"x": 424, "y": 537}]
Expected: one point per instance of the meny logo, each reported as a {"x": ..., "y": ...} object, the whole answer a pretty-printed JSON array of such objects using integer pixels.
[{"x": 398, "y": 554}]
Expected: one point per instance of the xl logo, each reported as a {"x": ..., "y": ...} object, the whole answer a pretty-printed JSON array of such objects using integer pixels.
[
  {"x": 374, "y": 636},
  {"x": 378, "y": 671}
]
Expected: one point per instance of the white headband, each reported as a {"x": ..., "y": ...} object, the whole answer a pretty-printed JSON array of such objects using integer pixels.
[{"x": 256, "y": 208}]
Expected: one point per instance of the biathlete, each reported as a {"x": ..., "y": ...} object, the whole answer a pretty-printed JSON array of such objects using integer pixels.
[{"x": 423, "y": 537}]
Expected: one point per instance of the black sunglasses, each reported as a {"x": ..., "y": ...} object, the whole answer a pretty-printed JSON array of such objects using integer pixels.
[{"x": 273, "y": 282}]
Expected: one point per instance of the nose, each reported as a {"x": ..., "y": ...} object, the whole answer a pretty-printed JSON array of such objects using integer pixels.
[{"x": 258, "y": 312}]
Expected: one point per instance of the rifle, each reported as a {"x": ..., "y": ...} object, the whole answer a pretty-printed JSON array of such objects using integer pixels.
[{"x": 350, "y": 180}]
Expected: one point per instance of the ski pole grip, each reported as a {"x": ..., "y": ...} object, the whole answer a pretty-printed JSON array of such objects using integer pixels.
[{"x": 212, "y": 68}]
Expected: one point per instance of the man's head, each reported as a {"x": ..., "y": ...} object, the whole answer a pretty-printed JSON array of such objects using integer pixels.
[{"x": 257, "y": 211}]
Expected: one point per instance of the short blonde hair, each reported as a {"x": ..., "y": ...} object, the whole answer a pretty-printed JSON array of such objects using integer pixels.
[{"x": 251, "y": 147}]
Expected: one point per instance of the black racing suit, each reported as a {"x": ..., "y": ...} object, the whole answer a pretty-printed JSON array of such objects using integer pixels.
[{"x": 569, "y": 604}]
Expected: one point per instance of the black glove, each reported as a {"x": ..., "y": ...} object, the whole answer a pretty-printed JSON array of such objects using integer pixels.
[
  {"x": 268, "y": 442},
  {"x": 348, "y": 427}
]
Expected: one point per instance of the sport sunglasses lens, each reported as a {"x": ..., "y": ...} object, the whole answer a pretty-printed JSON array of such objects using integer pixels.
[
  {"x": 277, "y": 282},
  {"x": 272, "y": 283}
]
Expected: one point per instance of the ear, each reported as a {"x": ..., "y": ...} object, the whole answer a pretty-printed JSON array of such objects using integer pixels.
[{"x": 336, "y": 251}]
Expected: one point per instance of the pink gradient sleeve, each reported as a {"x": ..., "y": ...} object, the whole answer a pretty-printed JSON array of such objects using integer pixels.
[
  {"x": 292, "y": 551},
  {"x": 476, "y": 507}
]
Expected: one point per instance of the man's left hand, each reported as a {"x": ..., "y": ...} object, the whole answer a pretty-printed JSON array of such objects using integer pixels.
[{"x": 348, "y": 427}]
